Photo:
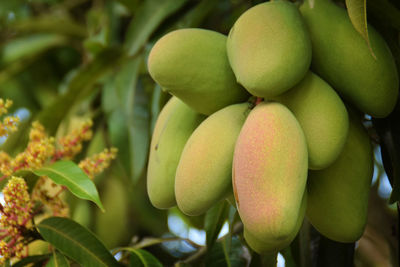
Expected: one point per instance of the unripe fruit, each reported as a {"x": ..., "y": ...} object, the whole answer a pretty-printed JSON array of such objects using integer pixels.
[
  {"x": 338, "y": 195},
  {"x": 342, "y": 58},
  {"x": 269, "y": 48},
  {"x": 322, "y": 116},
  {"x": 173, "y": 128},
  {"x": 204, "y": 173},
  {"x": 266, "y": 246},
  {"x": 192, "y": 64},
  {"x": 270, "y": 172}
]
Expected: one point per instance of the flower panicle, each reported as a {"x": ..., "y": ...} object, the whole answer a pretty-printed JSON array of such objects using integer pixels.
[
  {"x": 71, "y": 144},
  {"x": 16, "y": 215},
  {"x": 40, "y": 149},
  {"x": 99, "y": 162},
  {"x": 9, "y": 123}
]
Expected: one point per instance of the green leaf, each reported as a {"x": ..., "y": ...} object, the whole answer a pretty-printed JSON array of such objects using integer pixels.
[
  {"x": 76, "y": 241},
  {"x": 28, "y": 46},
  {"x": 57, "y": 260},
  {"x": 195, "y": 17},
  {"x": 214, "y": 221},
  {"x": 147, "y": 19},
  {"x": 31, "y": 259},
  {"x": 220, "y": 256},
  {"x": 127, "y": 104},
  {"x": 140, "y": 257},
  {"x": 357, "y": 10},
  {"x": 67, "y": 173},
  {"x": 50, "y": 23},
  {"x": 139, "y": 133},
  {"x": 81, "y": 84},
  {"x": 158, "y": 100}
]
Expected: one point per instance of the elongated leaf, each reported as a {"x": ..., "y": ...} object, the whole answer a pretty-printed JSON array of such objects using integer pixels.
[
  {"x": 67, "y": 173},
  {"x": 51, "y": 24},
  {"x": 28, "y": 46},
  {"x": 76, "y": 241},
  {"x": 80, "y": 85},
  {"x": 220, "y": 256},
  {"x": 57, "y": 260},
  {"x": 158, "y": 100},
  {"x": 31, "y": 259},
  {"x": 139, "y": 133},
  {"x": 357, "y": 10},
  {"x": 148, "y": 17},
  {"x": 140, "y": 257},
  {"x": 214, "y": 221},
  {"x": 196, "y": 16}
]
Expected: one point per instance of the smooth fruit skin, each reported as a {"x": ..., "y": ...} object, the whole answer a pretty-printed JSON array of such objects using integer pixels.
[
  {"x": 192, "y": 64},
  {"x": 322, "y": 116},
  {"x": 338, "y": 195},
  {"x": 173, "y": 128},
  {"x": 269, "y": 48},
  {"x": 265, "y": 245},
  {"x": 342, "y": 58},
  {"x": 269, "y": 172},
  {"x": 204, "y": 173}
]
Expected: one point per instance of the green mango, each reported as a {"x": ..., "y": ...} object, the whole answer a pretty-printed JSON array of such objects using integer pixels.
[
  {"x": 192, "y": 64},
  {"x": 338, "y": 195},
  {"x": 173, "y": 128},
  {"x": 204, "y": 173},
  {"x": 112, "y": 226},
  {"x": 263, "y": 246},
  {"x": 270, "y": 165},
  {"x": 342, "y": 58},
  {"x": 269, "y": 48},
  {"x": 322, "y": 116}
]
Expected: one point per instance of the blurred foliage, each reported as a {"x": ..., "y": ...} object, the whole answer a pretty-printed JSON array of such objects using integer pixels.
[{"x": 61, "y": 60}]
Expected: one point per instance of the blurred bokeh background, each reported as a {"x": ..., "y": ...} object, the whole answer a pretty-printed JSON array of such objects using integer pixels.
[{"x": 62, "y": 61}]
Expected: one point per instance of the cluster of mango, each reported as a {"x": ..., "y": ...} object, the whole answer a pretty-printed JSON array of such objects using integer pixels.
[{"x": 299, "y": 152}]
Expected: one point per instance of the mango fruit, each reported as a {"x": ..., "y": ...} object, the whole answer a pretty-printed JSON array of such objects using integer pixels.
[
  {"x": 204, "y": 173},
  {"x": 270, "y": 165},
  {"x": 322, "y": 116},
  {"x": 192, "y": 64},
  {"x": 112, "y": 226},
  {"x": 173, "y": 128},
  {"x": 269, "y": 48},
  {"x": 342, "y": 58},
  {"x": 338, "y": 195},
  {"x": 263, "y": 246}
]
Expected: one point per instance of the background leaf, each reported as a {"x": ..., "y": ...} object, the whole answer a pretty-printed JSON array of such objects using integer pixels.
[
  {"x": 149, "y": 16},
  {"x": 80, "y": 86},
  {"x": 214, "y": 221},
  {"x": 76, "y": 241},
  {"x": 28, "y": 46},
  {"x": 141, "y": 257},
  {"x": 221, "y": 256},
  {"x": 68, "y": 174}
]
